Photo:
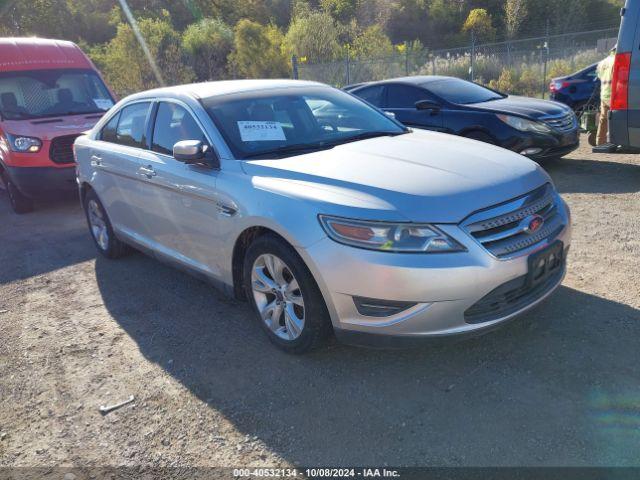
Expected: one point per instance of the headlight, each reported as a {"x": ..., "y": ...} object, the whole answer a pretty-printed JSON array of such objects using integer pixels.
[
  {"x": 524, "y": 125},
  {"x": 24, "y": 144},
  {"x": 389, "y": 237}
]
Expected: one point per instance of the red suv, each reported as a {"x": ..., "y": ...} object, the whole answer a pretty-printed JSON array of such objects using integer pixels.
[{"x": 50, "y": 92}]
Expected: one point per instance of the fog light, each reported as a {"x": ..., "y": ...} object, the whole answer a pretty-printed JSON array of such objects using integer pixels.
[
  {"x": 531, "y": 151},
  {"x": 370, "y": 307}
]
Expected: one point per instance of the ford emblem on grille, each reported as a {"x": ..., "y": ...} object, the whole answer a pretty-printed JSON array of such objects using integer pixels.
[{"x": 532, "y": 224}]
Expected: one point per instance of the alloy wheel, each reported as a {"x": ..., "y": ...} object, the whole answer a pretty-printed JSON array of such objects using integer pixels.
[
  {"x": 278, "y": 297},
  {"x": 98, "y": 225}
]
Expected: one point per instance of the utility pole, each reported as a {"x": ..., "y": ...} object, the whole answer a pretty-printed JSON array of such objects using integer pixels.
[
  {"x": 348, "y": 68},
  {"x": 473, "y": 55},
  {"x": 546, "y": 60},
  {"x": 406, "y": 58}
]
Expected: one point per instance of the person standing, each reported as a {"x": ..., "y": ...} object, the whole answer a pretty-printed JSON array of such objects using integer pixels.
[{"x": 605, "y": 74}]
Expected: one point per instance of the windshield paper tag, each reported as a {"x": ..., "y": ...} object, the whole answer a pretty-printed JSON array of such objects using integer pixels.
[
  {"x": 103, "y": 103},
  {"x": 260, "y": 131}
]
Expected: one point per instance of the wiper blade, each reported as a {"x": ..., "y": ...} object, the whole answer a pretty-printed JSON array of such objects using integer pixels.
[
  {"x": 299, "y": 147},
  {"x": 367, "y": 135}
]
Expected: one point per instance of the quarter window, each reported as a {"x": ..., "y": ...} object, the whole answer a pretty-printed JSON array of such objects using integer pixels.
[{"x": 174, "y": 124}]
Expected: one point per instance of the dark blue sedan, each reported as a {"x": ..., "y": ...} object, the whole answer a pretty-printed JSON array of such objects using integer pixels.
[
  {"x": 578, "y": 90},
  {"x": 538, "y": 129}
]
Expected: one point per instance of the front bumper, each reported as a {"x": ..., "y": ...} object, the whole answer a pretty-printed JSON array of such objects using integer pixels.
[
  {"x": 551, "y": 145},
  {"x": 43, "y": 182},
  {"x": 442, "y": 286}
]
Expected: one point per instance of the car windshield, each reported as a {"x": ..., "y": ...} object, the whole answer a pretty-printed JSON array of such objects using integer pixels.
[
  {"x": 48, "y": 93},
  {"x": 461, "y": 92},
  {"x": 295, "y": 120}
]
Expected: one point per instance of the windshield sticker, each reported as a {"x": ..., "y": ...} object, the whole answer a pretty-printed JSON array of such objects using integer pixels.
[
  {"x": 103, "y": 103},
  {"x": 261, "y": 131}
]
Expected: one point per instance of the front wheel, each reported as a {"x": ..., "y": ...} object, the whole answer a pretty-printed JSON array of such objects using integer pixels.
[
  {"x": 19, "y": 203},
  {"x": 285, "y": 296}
]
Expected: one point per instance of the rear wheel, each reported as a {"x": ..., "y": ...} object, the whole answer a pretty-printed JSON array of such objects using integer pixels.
[
  {"x": 285, "y": 296},
  {"x": 19, "y": 203},
  {"x": 101, "y": 229}
]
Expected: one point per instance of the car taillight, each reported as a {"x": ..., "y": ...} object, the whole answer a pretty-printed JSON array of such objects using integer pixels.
[
  {"x": 557, "y": 85},
  {"x": 620, "y": 82}
]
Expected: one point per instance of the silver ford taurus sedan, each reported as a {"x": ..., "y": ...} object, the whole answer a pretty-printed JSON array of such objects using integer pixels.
[{"x": 324, "y": 213}]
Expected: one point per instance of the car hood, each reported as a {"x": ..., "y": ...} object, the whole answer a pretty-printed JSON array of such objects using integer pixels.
[
  {"x": 48, "y": 128},
  {"x": 421, "y": 177},
  {"x": 523, "y": 106}
]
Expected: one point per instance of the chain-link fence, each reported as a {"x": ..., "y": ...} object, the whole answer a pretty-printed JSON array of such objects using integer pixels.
[{"x": 522, "y": 66}]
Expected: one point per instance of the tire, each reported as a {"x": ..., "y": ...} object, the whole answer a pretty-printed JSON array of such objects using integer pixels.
[
  {"x": 19, "y": 203},
  {"x": 480, "y": 136},
  {"x": 286, "y": 331},
  {"x": 101, "y": 230}
]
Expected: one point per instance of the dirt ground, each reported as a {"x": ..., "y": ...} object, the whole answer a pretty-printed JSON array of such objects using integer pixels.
[{"x": 560, "y": 386}]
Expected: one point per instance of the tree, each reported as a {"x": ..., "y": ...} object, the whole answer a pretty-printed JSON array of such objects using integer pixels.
[
  {"x": 209, "y": 43},
  {"x": 314, "y": 36},
  {"x": 445, "y": 18},
  {"x": 127, "y": 68},
  {"x": 258, "y": 51},
  {"x": 341, "y": 10},
  {"x": 515, "y": 12},
  {"x": 480, "y": 25},
  {"x": 409, "y": 20},
  {"x": 372, "y": 42},
  {"x": 48, "y": 18},
  {"x": 504, "y": 82}
]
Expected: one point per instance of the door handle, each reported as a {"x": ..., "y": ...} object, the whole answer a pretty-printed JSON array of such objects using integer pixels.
[
  {"x": 96, "y": 161},
  {"x": 226, "y": 210},
  {"x": 147, "y": 171}
]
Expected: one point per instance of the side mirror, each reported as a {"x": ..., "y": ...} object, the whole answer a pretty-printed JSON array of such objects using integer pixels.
[
  {"x": 390, "y": 115},
  {"x": 193, "y": 151},
  {"x": 427, "y": 105}
]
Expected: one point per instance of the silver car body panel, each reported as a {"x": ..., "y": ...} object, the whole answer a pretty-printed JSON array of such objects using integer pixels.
[
  {"x": 624, "y": 127},
  {"x": 193, "y": 216}
]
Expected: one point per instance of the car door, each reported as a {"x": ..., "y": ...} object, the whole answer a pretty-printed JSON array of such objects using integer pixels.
[
  {"x": 401, "y": 100},
  {"x": 179, "y": 199},
  {"x": 115, "y": 162}
]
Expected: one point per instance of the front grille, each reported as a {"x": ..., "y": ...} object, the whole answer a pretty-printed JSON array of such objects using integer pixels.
[
  {"x": 562, "y": 123},
  {"x": 61, "y": 150},
  {"x": 502, "y": 229},
  {"x": 509, "y": 298}
]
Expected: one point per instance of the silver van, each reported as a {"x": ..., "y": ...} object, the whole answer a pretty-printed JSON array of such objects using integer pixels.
[{"x": 624, "y": 126}]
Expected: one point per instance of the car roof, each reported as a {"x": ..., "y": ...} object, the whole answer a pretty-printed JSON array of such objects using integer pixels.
[
  {"x": 40, "y": 54},
  {"x": 417, "y": 80},
  {"x": 223, "y": 87}
]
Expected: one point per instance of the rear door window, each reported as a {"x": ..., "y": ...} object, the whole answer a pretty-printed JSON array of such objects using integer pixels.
[
  {"x": 405, "y": 96},
  {"x": 174, "y": 124},
  {"x": 131, "y": 125},
  {"x": 374, "y": 95}
]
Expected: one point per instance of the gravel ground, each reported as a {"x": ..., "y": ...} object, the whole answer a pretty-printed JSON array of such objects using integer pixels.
[{"x": 561, "y": 386}]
